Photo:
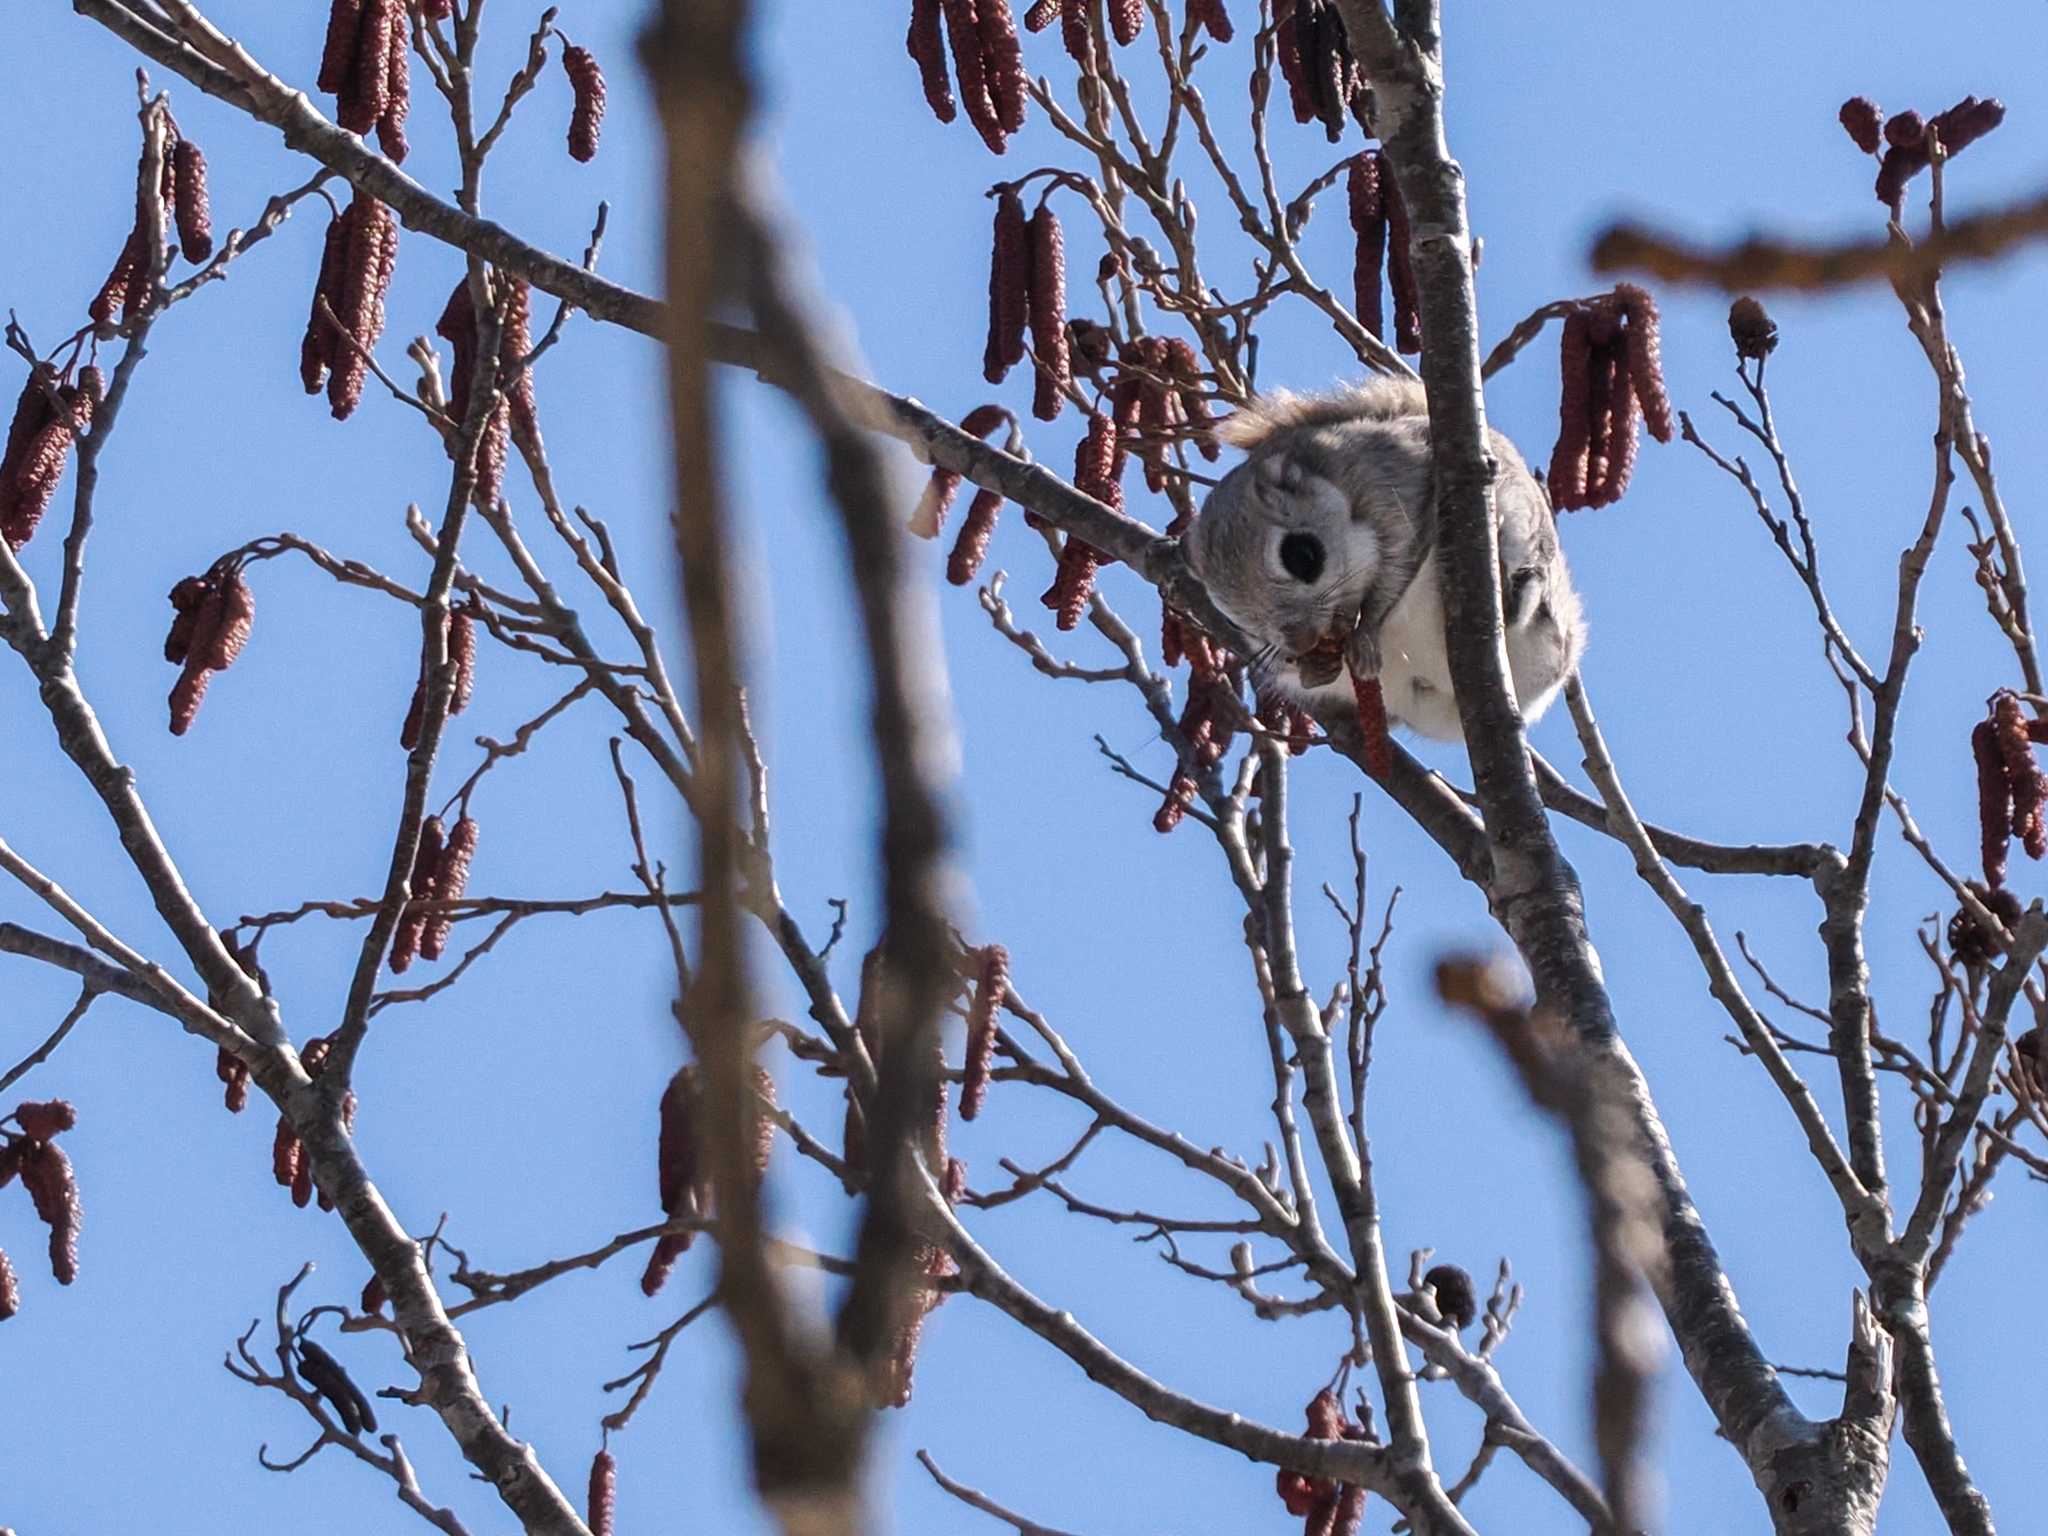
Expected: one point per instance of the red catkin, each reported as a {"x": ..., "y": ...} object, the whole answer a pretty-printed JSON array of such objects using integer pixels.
[
  {"x": 1645, "y": 358},
  {"x": 1003, "y": 62},
  {"x": 1293, "y": 67},
  {"x": 363, "y": 96},
  {"x": 1048, "y": 307},
  {"x": 1076, "y": 31},
  {"x": 2023, "y": 776},
  {"x": 1568, "y": 460},
  {"x": 191, "y": 207},
  {"x": 462, "y": 651},
  {"x": 926, "y": 44},
  {"x": 10, "y": 1289},
  {"x": 426, "y": 862},
  {"x": 1042, "y": 15},
  {"x": 1369, "y": 223},
  {"x": 1210, "y": 14},
  {"x": 234, "y": 1074},
  {"x": 397, "y": 89},
  {"x": 316, "y": 351},
  {"x": 451, "y": 878},
  {"x": 1994, "y": 800},
  {"x": 1861, "y": 121},
  {"x": 1009, "y": 287},
  {"x": 220, "y": 625},
  {"x": 113, "y": 294},
  {"x": 893, "y": 1389},
  {"x": 990, "y": 983},
  {"x": 1186, "y": 371},
  {"x": 47, "y": 1174},
  {"x": 39, "y": 440},
  {"x": 963, "y": 33},
  {"x": 374, "y": 1298},
  {"x": 234, "y": 607},
  {"x": 1400, "y": 268},
  {"x": 586, "y": 122},
  {"x": 971, "y": 547},
  {"x": 338, "y": 60},
  {"x": 929, "y": 516},
  {"x": 677, "y": 1174},
  {"x": 1126, "y": 20},
  {"x": 515, "y": 341},
  {"x": 1372, "y": 724},
  {"x": 604, "y": 1493},
  {"x": 371, "y": 259}
]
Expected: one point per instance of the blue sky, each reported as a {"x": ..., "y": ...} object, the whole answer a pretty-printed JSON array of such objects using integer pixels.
[{"x": 523, "y": 1102}]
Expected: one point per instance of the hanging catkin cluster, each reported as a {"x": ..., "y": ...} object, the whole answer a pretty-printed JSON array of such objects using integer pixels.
[
  {"x": 461, "y": 642},
  {"x": 39, "y": 439},
  {"x": 2012, "y": 792},
  {"x": 1324, "y": 83},
  {"x": 1908, "y": 139},
  {"x": 440, "y": 875},
  {"x": 1027, "y": 290},
  {"x": 356, "y": 265},
  {"x": 366, "y": 69},
  {"x": 1098, "y": 472},
  {"x": 290, "y": 1164},
  {"x": 1379, "y": 220},
  {"x": 1326, "y": 1508},
  {"x": 324, "y": 1374},
  {"x": 181, "y": 187},
  {"x": 213, "y": 616},
  {"x": 988, "y": 60},
  {"x": 1612, "y": 376},
  {"x": 586, "y": 119},
  {"x": 992, "y": 979},
  {"x": 47, "y": 1175}
]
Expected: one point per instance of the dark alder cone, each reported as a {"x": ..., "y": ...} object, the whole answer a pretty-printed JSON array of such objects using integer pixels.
[
  {"x": 927, "y": 45},
  {"x": 971, "y": 547},
  {"x": 1753, "y": 331},
  {"x": 1971, "y": 942},
  {"x": 1401, "y": 268},
  {"x": 397, "y": 89},
  {"x": 113, "y": 295},
  {"x": 1126, "y": 19},
  {"x": 234, "y": 1074},
  {"x": 338, "y": 61},
  {"x": 1009, "y": 287},
  {"x": 1089, "y": 345},
  {"x": 46, "y": 1119},
  {"x": 316, "y": 352},
  {"x": 963, "y": 33},
  {"x": 1293, "y": 67},
  {"x": 363, "y": 97},
  {"x": 604, "y": 1493},
  {"x": 1003, "y": 62},
  {"x": 1568, "y": 460},
  {"x": 426, "y": 862},
  {"x": 587, "y": 120},
  {"x": 1372, "y": 724},
  {"x": 989, "y": 986},
  {"x": 2023, "y": 776},
  {"x": 1369, "y": 224},
  {"x": 1994, "y": 801},
  {"x": 10, "y": 1289},
  {"x": 1042, "y": 15},
  {"x": 47, "y": 1175},
  {"x": 193, "y": 211},
  {"x": 1210, "y": 14},
  {"x": 1455, "y": 1297},
  {"x": 373, "y": 1299},
  {"x": 1645, "y": 359},
  {"x": 365, "y": 279},
  {"x": 1862, "y": 121},
  {"x": 451, "y": 878},
  {"x": 1049, "y": 314}
]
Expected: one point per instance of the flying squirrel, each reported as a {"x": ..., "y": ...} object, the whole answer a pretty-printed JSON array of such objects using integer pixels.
[{"x": 1322, "y": 546}]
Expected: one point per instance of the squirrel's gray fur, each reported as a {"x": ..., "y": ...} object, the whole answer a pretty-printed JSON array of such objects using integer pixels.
[{"x": 1351, "y": 471}]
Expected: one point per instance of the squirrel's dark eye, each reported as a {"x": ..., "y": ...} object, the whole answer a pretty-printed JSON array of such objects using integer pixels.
[{"x": 1301, "y": 555}]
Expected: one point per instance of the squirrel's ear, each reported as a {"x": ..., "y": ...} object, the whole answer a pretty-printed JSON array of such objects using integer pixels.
[{"x": 1278, "y": 472}]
